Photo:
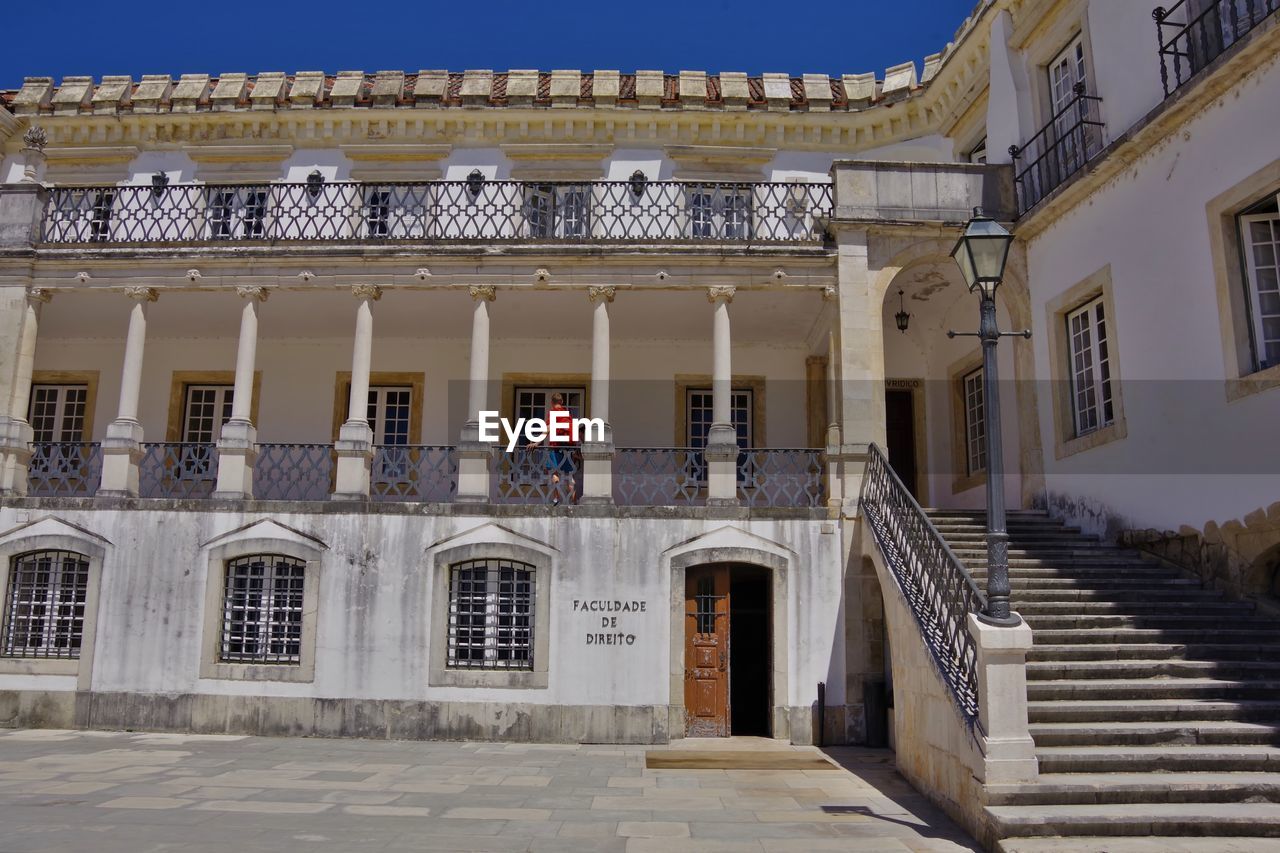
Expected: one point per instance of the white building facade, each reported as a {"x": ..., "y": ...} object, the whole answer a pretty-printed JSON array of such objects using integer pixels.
[{"x": 250, "y": 323}]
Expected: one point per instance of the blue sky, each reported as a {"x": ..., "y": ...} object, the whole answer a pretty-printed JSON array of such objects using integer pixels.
[{"x": 147, "y": 37}]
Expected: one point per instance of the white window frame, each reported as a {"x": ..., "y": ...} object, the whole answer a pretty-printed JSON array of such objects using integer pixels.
[
  {"x": 522, "y": 406},
  {"x": 68, "y": 416},
  {"x": 741, "y": 411},
  {"x": 975, "y": 423},
  {"x": 719, "y": 212},
  {"x": 381, "y": 399},
  {"x": 377, "y": 212},
  {"x": 1089, "y": 348},
  {"x": 222, "y": 403},
  {"x": 978, "y": 153},
  {"x": 1257, "y": 318}
]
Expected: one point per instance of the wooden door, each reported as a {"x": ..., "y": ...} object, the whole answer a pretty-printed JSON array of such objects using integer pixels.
[{"x": 706, "y": 652}]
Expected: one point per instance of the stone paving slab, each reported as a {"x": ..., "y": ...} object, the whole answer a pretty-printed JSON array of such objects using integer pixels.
[{"x": 124, "y": 792}]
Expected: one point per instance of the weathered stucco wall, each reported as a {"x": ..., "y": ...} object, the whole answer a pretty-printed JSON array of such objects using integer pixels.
[{"x": 375, "y": 632}]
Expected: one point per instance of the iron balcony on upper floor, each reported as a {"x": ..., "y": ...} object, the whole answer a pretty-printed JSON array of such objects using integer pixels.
[{"x": 475, "y": 210}]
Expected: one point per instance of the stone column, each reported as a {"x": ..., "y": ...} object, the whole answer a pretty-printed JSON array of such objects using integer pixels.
[
  {"x": 860, "y": 334},
  {"x": 1009, "y": 754},
  {"x": 354, "y": 447},
  {"x": 473, "y": 454},
  {"x": 237, "y": 445},
  {"x": 722, "y": 437},
  {"x": 122, "y": 446},
  {"x": 597, "y": 456},
  {"x": 15, "y": 431}
]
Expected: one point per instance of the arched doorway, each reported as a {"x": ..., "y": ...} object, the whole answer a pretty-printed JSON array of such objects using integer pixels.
[{"x": 728, "y": 650}]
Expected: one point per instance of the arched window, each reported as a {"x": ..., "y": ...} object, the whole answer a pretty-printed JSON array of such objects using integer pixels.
[
  {"x": 262, "y": 610},
  {"x": 44, "y": 605},
  {"x": 491, "y": 614}
]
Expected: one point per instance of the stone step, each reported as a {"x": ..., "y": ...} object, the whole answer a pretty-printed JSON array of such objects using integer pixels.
[
  {"x": 1136, "y": 709},
  {"x": 1152, "y": 594},
  {"x": 1225, "y": 637},
  {"x": 1152, "y": 844},
  {"x": 1022, "y": 539},
  {"x": 1152, "y": 688},
  {"x": 1108, "y": 819},
  {"x": 1153, "y": 651},
  {"x": 1083, "y": 788},
  {"x": 1044, "y": 581},
  {"x": 1152, "y": 621},
  {"x": 1152, "y": 733},
  {"x": 1120, "y": 565},
  {"x": 1149, "y": 759},
  {"x": 1222, "y": 609},
  {"x": 1153, "y": 669}
]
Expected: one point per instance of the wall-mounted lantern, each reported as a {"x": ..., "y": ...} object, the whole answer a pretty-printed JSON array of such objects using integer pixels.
[
  {"x": 475, "y": 182},
  {"x": 314, "y": 183},
  {"x": 638, "y": 182},
  {"x": 158, "y": 183}
]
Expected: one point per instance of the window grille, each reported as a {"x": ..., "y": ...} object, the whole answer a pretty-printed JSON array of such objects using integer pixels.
[
  {"x": 491, "y": 615},
  {"x": 975, "y": 423},
  {"x": 44, "y": 608},
  {"x": 262, "y": 610},
  {"x": 1090, "y": 368}
]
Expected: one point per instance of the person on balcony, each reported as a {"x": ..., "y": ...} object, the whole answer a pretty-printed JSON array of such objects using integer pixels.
[{"x": 562, "y": 452}]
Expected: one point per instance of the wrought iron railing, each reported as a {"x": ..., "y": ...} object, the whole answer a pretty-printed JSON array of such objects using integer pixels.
[
  {"x": 414, "y": 473},
  {"x": 781, "y": 478},
  {"x": 1193, "y": 34},
  {"x": 533, "y": 475},
  {"x": 293, "y": 472},
  {"x": 659, "y": 476},
  {"x": 64, "y": 469},
  {"x": 440, "y": 211},
  {"x": 939, "y": 590},
  {"x": 1060, "y": 149},
  {"x": 177, "y": 470}
]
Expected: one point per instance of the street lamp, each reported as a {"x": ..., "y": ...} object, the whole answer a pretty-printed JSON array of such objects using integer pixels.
[{"x": 981, "y": 253}]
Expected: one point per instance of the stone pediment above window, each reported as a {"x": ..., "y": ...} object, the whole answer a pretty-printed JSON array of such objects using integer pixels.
[
  {"x": 52, "y": 526},
  {"x": 267, "y": 529},
  {"x": 217, "y": 164},
  {"x": 557, "y": 162},
  {"x": 733, "y": 542},
  {"x": 88, "y": 164},
  {"x": 491, "y": 533},
  {"x": 719, "y": 162},
  {"x": 378, "y": 162}
]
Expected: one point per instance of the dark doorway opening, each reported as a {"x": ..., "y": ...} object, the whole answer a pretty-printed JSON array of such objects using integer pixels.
[
  {"x": 900, "y": 435},
  {"x": 750, "y": 651}
]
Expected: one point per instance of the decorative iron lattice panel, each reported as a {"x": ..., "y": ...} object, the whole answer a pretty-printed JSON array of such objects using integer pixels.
[
  {"x": 491, "y": 615},
  {"x": 1193, "y": 34},
  {"x": 64, "y": 469},
  {"x": 441, "y": 211},
  {"x": 262, "y": 610},
  {"x": 293, "y": 472},
  {"x": 530, "y": 475},
  {"x": 659, "y": 476},
  {"x": 44, "y": 607},
  {"x": 414, "y": 473},
  {"x": 177, "y": 470},
  {"x": 781, "y": 478}
]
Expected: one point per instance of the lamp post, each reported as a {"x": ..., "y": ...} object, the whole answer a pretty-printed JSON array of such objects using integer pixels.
[{"x": 981, "y": 253}]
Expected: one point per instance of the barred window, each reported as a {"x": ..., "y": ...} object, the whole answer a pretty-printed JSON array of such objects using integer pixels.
[
  {"x": 262, "y": 610},
  {"x": 491, "y": 615},
  {"x": 44, "y": 608}
]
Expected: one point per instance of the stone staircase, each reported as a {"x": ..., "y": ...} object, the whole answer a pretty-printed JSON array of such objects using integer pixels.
[{"x": 1154, "y": 703}]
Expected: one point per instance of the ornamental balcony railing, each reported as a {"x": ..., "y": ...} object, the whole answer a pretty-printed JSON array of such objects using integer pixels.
[
  {"x": 781, "y": 478},
  {"x": 1193, "y": 33},
  {"x": 659, "y": 476},
  {"x": 936, "y": 585},
  {"x": 293, "y": 472},
  {"x": 1060, "y": 149},
  {"x": 414, "y": 473},
  {"x": 64, "y": 469},
  {"x": 535, "y": 475},
  {"x": 439, "y": 211},
  {"x": 177, "y": 470}
]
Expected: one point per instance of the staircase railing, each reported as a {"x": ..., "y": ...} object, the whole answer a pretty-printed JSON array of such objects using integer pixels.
[{"x": 938, "y": 588}]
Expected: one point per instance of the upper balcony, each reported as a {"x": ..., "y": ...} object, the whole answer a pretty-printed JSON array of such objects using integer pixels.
[
  {"x": 1193, "y": 34},
  {"x": 477, "y": 210}
]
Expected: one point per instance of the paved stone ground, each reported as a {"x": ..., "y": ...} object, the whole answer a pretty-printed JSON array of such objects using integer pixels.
[{"x": 119, "y": 792}]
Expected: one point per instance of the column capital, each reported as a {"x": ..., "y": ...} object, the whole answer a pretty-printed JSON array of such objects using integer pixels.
[
  {"x": 367, "y": 291},
  {"x": 597, "y": 294},
  {"x": 725, "y": 292},
  {"x": 142, "y": 294},
  {"x": 253, "y": 291},
  {"x": 485, "y": 292},
  {"x": 39, "y": 295}
]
